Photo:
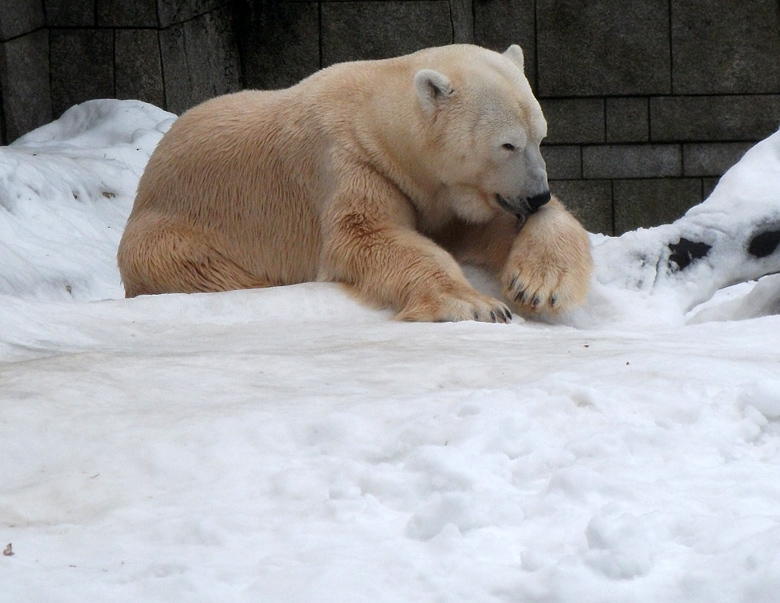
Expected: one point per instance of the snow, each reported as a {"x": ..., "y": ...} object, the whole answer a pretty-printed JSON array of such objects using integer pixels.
[
  {"x": 745, "y": 203},
  {"x": 290, "y": 445}
]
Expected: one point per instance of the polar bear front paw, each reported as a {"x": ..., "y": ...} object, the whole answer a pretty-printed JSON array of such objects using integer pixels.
[
  {"x": 452, "y": 308},
  {"x": 549, "y": 266}
]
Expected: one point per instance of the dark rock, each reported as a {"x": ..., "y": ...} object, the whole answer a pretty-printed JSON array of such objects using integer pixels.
[
  {"x": 82, "y": 66},
  {"x": 20, "y": 17},
  {"x": 127, "y": 13},
  {"x": 684, "y": 252},
  {"x": 279, "y": 42},
  {"x": 178, "y": 11},
  {"x": 378, "y": 30},
  {"x": 200, "y": 60},
  {"x": 138, "y": 66},
  {"x": 764, "y": 244},
  {"x": 24, "y": 80},
  {"x": 70, "y": 13}
]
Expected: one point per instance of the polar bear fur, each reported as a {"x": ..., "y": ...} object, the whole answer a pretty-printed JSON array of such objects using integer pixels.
[{"x": 381, "y": 175}]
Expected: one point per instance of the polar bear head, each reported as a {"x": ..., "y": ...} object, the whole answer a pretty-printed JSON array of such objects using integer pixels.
[{"x": 486, "y": 126}]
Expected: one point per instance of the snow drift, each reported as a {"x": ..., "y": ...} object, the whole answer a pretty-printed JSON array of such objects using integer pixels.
[{"x": 290, "y": 445}]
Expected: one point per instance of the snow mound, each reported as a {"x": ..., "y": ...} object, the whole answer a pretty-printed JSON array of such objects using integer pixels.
[
  {"x": 66, "y": 190},
  {"x": 731, "y": 237}
]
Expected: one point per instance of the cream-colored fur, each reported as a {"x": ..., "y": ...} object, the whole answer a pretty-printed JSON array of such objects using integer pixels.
[{"x": 378, "y": 174}]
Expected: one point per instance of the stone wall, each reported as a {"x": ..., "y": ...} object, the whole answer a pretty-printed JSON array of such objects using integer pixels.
[{"x": 648, "y": 101}]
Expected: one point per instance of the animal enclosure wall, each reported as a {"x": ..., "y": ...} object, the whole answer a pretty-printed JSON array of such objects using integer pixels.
[{"x": 648, "y": 101}]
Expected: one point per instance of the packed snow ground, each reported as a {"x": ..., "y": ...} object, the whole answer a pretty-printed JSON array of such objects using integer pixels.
[{"x": 289, "y": 445}]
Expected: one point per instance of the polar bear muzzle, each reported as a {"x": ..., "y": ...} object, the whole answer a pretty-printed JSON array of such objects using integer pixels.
[
  {"x": 524, "y": 206},
  {"x": 537, "y": 201}
]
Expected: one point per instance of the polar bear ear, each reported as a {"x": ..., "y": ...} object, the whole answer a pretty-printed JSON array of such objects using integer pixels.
[
  {"x": 515, "y": 54},
  {"x": 433, "y": 89}
]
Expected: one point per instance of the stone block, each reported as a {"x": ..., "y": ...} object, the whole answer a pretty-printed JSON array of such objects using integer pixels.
[
  {"x": 707, "y": 186},
  {"x": 24, "y": 81},
  {"x": 589, "y": 200},
  {"x": 603, "y": 47},
  {"x": 378, "y": 30},
  {"x": 82, "y": 66},
  {"x": 632, "y": 161},
  {"x": 20, "y": 17},
  {"x": 462, "y": 13},
  {"x": 652, "y": 202},
  {"x": 712, "y": 159},
  {"x": 122, "y": 13},
  {"x": 70, "y": 13},
  {"x": 200, "y": 60},
  {"x": 500, "y": 23},
  {"x": 279, "y": 42},
  {"x": 722, "y": 46},
  {"x": 563, "y": 162},
  {"x": 579, "y": 120},
  {"x": 714, "y": 118},
  {"x": 628, "y": 119},
  {"x": 138, "y": 66},
  {"x": 178, "y": 11}
]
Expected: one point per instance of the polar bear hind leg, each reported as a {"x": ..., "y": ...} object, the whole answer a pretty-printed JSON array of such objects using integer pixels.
[{"x": 171, "y": 258}]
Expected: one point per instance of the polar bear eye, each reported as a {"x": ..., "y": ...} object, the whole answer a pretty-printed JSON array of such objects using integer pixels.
[{"x": 509, "y": 146}]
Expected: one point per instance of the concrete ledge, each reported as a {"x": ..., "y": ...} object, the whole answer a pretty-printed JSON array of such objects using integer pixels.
[
  {"x": 707, "y": 186},
  {"x": 714, "y": 118},
  {"x": 723, "y": 46},
  {"x": 579, "y": 120},
  {"x": 563, "y": 162},
  {"x": 712, "y": 159},
  {"x": 628, "y": 119},
  {"x": 609, "y": 47},
  {"x": 652, "y": 202},
  {"x": 462, "y": 15},
  {"x": 500, "y": 23},
  {"x": 589, "y": 200},
  {"x": 631, "y": 161}
]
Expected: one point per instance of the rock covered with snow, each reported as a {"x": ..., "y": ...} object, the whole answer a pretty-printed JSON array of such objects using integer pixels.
[
  {"x": 66, "y": 190},
  {"x": 731, "y": 237}
]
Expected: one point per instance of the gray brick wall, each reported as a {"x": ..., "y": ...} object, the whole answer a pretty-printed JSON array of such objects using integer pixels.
[{"x": 648, "y": 102}]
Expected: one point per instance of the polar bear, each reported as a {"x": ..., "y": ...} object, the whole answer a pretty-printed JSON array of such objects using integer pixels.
[{"x": 381, "y": 175}]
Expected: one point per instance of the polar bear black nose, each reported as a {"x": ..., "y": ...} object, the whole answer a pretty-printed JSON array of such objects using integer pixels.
[{"x": 536, "y": 202}]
